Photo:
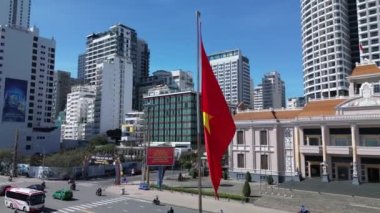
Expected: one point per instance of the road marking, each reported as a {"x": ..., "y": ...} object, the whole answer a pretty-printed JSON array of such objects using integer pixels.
[
  {"x": 364, "y": 206},
  {"x": 70, "y": 210},
  {"x": 142, "y": 206},
  {"x": 125, "y": 210},
  {"x": 62, "y": 211},
  {"x": 86, "y": 211},
  {"x": 110, "y": 207}
]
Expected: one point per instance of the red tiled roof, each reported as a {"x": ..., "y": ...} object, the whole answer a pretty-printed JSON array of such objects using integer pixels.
[{"x": 365, "y": 70}]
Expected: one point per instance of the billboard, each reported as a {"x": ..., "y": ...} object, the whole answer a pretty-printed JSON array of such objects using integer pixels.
[
  {"x": 14, "y": 108},
  {"x": 160, "y": 156}
]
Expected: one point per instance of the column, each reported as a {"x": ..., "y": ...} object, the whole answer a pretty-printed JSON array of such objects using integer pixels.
[
  {"x": 354, "y": 135},
  {"x": 296, "y": 150},
  {"x": 325, "y": 175}
]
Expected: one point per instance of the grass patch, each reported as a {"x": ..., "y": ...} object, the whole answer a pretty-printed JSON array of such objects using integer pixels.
[{"x": 204, "y": 192}]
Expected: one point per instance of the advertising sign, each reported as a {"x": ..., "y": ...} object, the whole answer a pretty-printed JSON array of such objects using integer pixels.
[
  {"x": 15, "y": 92},
  {"x": 99, "y": 159},
  {"x": 160, "y": 156}
]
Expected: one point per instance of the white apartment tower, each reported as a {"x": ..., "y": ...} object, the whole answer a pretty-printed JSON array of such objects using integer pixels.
[
  {"x": 15, "y": 13},
  {"x": 114, "y": 92},
  {"x": 232, "y": 71},
  {"x": 121, "y": 41},
  {"x": 79, "y": 121},
  {"x": 368, "y": 14},
  {"x": 270, "y": 93},
  {"x": 26, "y": 81},
  {"x": 258, "y": 103},
  {"x": 326, "y": 48}
]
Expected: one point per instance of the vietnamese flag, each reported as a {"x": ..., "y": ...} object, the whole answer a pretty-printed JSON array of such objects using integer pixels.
[{"x": 219, "y": 127}]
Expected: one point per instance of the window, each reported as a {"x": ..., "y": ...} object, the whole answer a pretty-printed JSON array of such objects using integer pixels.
[
  {"x": 240, "y": 137},
  {"x": 263, "y": 137},
  {"x": 28, "y": 147},
  {"x": 264, "y": 162},
  {"x": 313, "y": 141},
  {"x": 240, "y": 160}
]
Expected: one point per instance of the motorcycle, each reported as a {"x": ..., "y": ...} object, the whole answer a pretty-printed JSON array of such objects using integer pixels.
[
  {"x": 10, "y": 179},
  {"x": 43, "y": 184},
  {"x": 156, "y": 201},
  {"x": 73, "y": 186},
  {"x": 99, "y": 192}
]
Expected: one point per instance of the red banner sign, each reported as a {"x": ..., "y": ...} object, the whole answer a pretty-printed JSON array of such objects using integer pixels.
[{"x": 160, "y": 156}]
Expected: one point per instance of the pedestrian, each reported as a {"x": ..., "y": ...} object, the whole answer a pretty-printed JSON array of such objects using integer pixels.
[
  {"x": 221, "y": 211},
  {"x": 171, "y": 210}
]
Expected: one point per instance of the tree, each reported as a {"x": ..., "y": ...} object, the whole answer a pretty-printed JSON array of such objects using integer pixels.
[
  {"x": 36, "y": 160},
  {"x": 248, "y": 177},
  {"x": 246, "y": 189},
  {"x": 114, "y": 134}
]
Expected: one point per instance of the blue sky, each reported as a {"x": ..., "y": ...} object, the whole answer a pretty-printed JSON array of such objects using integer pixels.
[{"x": 268, "y": 32}]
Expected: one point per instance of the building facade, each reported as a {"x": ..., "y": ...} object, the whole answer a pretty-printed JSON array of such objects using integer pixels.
[
  {"x": 81, "y": 68},
  {"x": 368, "y": 17},
  {"x": 62, "y": 86},
  {"x": 270, "y": 93},
  {"x": 333, "y": 32},
  {"x": 80, "y": 111},
  {"x": 232, "y": 71},
  {"x": 335, "y": 139},
  {"x": 113, "y": 92},
  {"x": 132, "y": 130},
  {"x": 26, "y": 83},
  {"x": 295, "y": 102},
  {"x": 121, "y": 41},
  {"x": 171, "y": 117},
  {"x": 15, "y": 13}
]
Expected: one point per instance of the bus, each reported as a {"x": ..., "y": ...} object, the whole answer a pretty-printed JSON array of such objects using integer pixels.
[{"x": 28, "y": 200}]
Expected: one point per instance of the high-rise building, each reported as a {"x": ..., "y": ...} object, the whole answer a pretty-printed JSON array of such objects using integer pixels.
[
  {"x": 176, "y": 80},
  {"x": 270, "y": 93},
  {"x": 26, "y": 82},
  {"x": 79, "y": 121},
  {"x": 258, "y": 103},
  {"x": 62, "y": 86},
  {"x": 232, "y": 71},
  {"x": 333, "y": 32},
  {"x": 368, "y": 15},
  {"x": 121, "y": 41},
  {"x": 15, "y": 13},
  {"x": 295, "y": 102},
  {"x": 81, "y": 67},
  {"x": 113, "y": 92}
]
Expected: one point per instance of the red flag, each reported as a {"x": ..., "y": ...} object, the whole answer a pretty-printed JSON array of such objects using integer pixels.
[
  {"x": 361, "y": 48},
  {"x": 219, "y": 127}
]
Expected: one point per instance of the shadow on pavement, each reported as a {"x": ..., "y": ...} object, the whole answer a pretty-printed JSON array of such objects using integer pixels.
[{"x": 47, "y": 210}]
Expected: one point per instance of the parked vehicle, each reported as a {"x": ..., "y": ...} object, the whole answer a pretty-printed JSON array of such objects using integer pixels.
[
  {"x": 4, "y": 188},
  {"x": 25, "y": 199},
  {"x": 38, "y": 187},
  {"x": 63, "y": 194}
]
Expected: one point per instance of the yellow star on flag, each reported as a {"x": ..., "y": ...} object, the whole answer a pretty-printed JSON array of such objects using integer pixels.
[{"x": 206, "y": 121}]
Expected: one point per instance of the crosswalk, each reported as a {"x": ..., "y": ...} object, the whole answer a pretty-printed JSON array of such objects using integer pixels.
[{"x": 83, "y": 207}]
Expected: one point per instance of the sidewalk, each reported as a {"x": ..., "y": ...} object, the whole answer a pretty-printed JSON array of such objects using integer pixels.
[{"x": 209, "y": 204}]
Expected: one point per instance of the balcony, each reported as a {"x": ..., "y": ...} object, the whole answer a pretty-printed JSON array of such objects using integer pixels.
[
  {"x": 339, "y": 150},
  {"x": 264, "y": 148},
  {"x": 311, "y": 149},
  {"x": 241, "y": 147},
  {"x": 368, "y": 150}
]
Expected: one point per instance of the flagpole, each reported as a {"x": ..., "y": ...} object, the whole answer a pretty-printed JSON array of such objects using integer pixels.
[{"x": 198, "y": 14}]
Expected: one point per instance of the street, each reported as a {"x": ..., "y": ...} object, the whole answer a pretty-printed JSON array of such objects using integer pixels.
[{"x": 85, "y": 200}]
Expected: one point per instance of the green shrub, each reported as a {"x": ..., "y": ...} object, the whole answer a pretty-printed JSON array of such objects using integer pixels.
[
  {"x": 194, "y": 173},
  {"x": 225, "y": 175},
  {"x": 248, "y": 177},
  {"x": 246, "y": 189},
  {"x": 270, "y": 180}
]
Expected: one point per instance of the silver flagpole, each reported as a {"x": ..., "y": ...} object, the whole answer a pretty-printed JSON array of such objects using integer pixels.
[{"x": 198, "y": 118}]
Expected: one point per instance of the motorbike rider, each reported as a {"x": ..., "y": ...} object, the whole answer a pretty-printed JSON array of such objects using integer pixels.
[
  {"x": 43, "y": 184},
  {"x": 99, "y": 191},
  {"x": 156, "y": 200}
]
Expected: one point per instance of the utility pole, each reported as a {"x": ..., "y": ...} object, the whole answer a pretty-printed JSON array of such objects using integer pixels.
[{"x": 14, "y": 166}]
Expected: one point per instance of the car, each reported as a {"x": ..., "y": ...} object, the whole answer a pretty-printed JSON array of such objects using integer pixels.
[
  {"x": 63, "y": 194},
  {"x": 4, "y": 188},
  {"x": 38, "y": 187}
]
